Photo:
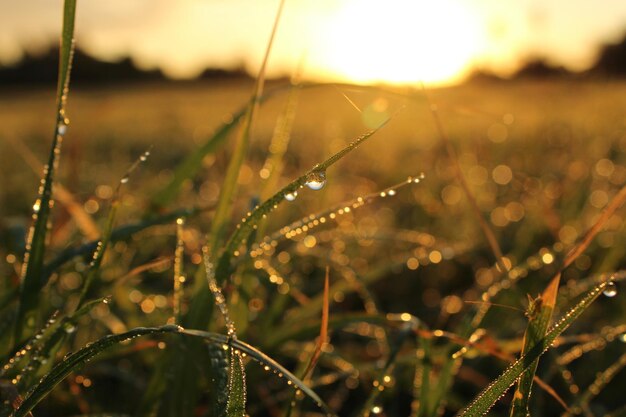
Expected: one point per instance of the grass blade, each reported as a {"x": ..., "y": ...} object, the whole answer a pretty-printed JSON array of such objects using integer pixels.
[
  {"x": 485, "y": 400},
  {"x": 103, "y": 244},
  {"x": 179, "y": 278},
  {"x": 47, "y": 343},
  {"x": 236, "y": 385},
  {"x": 219, "y": 380},
  {"x": 77, "y": 359},
  {"x": 246, "y": 227},
  {"x": 193, "y": 162},
  {"x": 236, "y": 404},
  {"x": 323, "y": 337},
  {"x": 229, "y": 185},
  {"x": 30, "y": 282},
  {"x": 263, "y": 359},
  {"x": 539, "y": 314}
]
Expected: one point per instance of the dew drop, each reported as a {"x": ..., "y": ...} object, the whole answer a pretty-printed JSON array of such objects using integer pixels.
[
  {"x": 391, "y": 192},
  {"x": 316, "y": 180},
  {"x": 124, "y": 180},
  {"x": 291, "y": 196},
  {"x": 610, "y": 290},
  {"x": 62, "y": 128},
  {"x": 377, "y": 409},
  {"x": 69, "y": 328}
]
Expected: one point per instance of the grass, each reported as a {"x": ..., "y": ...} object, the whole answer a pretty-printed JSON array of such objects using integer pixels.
[{"x": 373, "y": 295}]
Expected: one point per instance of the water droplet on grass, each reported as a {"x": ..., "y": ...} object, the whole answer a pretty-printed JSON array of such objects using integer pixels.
[
  {"x": 316, "y": 180},
  {"x": 291, "y": 196},
  {"x": 610, "y": 290},
  {"x": 62, "y": 128},
  {"x": 377, "y": 409}
]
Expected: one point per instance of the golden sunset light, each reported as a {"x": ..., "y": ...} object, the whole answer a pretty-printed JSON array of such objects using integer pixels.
[
  {"x": 364, "y": 41},
  {"x": 401, "y": 41}
]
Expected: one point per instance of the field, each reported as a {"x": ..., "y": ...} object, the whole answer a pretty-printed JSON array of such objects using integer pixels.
[{"x": 408, "y": 267}]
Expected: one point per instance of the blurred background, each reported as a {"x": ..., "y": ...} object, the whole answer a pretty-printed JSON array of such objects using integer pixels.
[{"x": 400, "y": 41}]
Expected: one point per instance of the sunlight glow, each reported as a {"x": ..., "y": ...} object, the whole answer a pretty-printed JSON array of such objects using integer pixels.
[{"x": 401, "y": 41}]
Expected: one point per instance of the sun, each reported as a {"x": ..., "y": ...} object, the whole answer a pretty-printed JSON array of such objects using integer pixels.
[{"x": 401, "y": 41}]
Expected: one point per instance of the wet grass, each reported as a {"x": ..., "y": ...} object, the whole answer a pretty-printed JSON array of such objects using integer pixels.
[{"x": 338, "y": 280}]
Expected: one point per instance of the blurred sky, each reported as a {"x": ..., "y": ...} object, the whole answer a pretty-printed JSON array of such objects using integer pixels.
[{"x": 437, "y": 41}]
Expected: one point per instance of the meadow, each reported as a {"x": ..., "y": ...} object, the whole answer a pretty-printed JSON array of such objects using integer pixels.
[{"x": 372, "y": 289}]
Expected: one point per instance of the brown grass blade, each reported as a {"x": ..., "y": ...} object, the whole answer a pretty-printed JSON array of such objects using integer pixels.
[
  {"x": 584, "y": 243},
  {"x": 323, "y": 337}
]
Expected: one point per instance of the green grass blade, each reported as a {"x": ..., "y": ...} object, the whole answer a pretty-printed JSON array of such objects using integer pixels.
[
  {"x": 280, "y": 141},
  {"x": 423, "y": 403},
  {"x": 188, "y": 168},
  {"x": 229, "y": 185},
  {"x": 44, "y": 348},
  {"x": 236, "y": 404},
  {"x": 77, "y": 359},
  {"x": 236, "y": 380},
  {"x": 31, "y": 281},
  {"x": 179, "y": 278},
  {"x": 246, "y": 227},
  {"x": 219, "y": 380},
  {"x": 103, "y": 244},
  {"x": 539, "y": 314},
  {"x": 218, "y": 296},
  {"x": 485, "y": 400},
  {"x": 263, "y": 359}
]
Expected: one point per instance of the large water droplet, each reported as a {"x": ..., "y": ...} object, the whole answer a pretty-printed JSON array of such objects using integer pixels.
[
  {"x": 291, "y": 196},
  {"x": 316, "y": 180},
  {"x": 610, "y": 290}
]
